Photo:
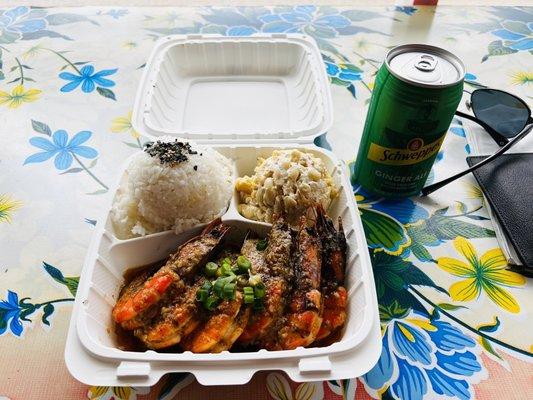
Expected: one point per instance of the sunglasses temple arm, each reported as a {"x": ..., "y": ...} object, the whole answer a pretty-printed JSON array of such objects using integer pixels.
[{"x": 431, "y": 188}]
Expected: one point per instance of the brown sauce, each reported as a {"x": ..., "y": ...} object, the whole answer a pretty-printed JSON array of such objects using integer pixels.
[
  {"x": 328, "y": 341},
  {"x": 132, "y": 273},
  {"x": 126, "y": 340}
]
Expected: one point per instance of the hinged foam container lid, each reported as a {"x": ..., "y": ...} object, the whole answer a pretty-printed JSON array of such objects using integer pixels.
[{"x": 219, "y": 89}]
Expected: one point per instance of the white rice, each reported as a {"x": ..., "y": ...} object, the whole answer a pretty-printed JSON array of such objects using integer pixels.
[{"x": 155, "y": 197}]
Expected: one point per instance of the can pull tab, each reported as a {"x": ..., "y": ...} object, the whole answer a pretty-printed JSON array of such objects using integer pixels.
[{"x": 426, "y": 63}]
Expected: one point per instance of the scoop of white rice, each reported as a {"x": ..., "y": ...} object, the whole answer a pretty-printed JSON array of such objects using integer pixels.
[{"x": 154, "y": 197}]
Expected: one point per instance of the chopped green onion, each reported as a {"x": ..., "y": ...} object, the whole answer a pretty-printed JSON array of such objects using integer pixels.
[
  {"x": 226, "y": 260},
  {"x": 207, "y": 286},
  {"x": 261, "y": 244},
  {"x": 229, "y": 291},
  {"x": 258, "y": 305},
  {"x": 211, "y": 302},
  {"x": 254, "y": 279},
  {"x": 235, "y": 269},
  {"x": 248, "y": 290},
  {"x": 243, "y": 262},
  {"x": 201, "y": 295},
  {"x": 248, "y": 295},
  {"x": 220, "y": 283},
  {"x": 219, "y": 272},
  {"x": 219, "y": 286},
  {"x": 259, "y": 290},
  {"x": 211, "y": 269},
  {"x": 226, "y": 269}
]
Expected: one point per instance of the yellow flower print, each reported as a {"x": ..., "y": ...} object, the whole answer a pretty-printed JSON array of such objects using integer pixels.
[
  {"x": 101, "y": 392},
  {"x": 359, "y": 198},
  {"x": 115, "y": 393},
  {"x": 123, "y": 124},
  {"x": 7, "y": 206},
  {"x": 18, "y": 96},
  {"x": 522, "y": 77},
  {"x": 32, "y": 52},
  {"x": 130, "y": 45},
  {"x": 279, "y": 389},
  {"x": 473, "y": 192},
  {"x": 486, "y": 274}
]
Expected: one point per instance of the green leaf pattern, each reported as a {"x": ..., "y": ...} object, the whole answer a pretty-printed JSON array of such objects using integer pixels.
[{"x": 70, "y": 282}]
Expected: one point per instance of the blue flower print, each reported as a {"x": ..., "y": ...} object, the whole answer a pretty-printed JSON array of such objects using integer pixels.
[
  {"x": 457, "y": 129},
  {"x": 241, "y": 30},
  {"x": 88, "y": 79},
  {"x": 517, "y": 35},
  {"x": 229, "y": 21},
  {"x": 405, "y": 210},
  {"x": 345, "y": 72},
  {"x": 422, "y": 357},
  {"x": 407, "y": 10},
  {"x": 322, "y": 23},
  {"x": 305, "y": 19},
  {"x": 15, "y": 22},
  {"x": 116, "y": 14},
  {"x": 63, "y": 149},
  {"x": 385, "y": 220},
  {"x": 14, "y": 312},
  {"x": 470, "y": 77},
  {"x": 10, "y": 310}
]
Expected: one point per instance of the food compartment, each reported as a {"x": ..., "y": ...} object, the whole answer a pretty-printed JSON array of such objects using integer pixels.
[
  {"x": 245, "y": 97},
  {"x": 219, "y": 88},
  {"x": 122, "y": 256},
  {"x": 343, "y": 205},
  {"x": 153, "y": 196},
  {"x": 105, "y": 274},
  {"x": 244, "y": 86}
]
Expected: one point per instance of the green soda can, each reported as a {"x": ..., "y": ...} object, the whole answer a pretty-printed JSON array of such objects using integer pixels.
[{"x": 416, "y": 93}]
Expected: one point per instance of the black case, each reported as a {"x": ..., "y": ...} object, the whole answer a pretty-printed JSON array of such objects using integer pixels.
[{"x": 507, "y": 183}]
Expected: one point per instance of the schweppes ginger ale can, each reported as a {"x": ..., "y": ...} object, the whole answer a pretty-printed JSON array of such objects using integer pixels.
[{"x": 416, "y": 93}]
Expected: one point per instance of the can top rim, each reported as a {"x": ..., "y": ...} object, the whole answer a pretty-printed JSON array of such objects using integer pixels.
[{"x": 448, "y": 56}]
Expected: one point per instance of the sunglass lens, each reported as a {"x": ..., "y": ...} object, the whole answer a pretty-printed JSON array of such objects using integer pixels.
[{"x": 504, "y": 113}]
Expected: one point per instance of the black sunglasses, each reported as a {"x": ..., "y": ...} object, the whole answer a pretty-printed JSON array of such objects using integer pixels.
[{"x": 505, "y": 117}]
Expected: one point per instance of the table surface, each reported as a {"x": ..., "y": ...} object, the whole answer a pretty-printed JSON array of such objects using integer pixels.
[{"x": 453, "y": 318}]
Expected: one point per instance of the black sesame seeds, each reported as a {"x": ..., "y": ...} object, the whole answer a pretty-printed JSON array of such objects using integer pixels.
[{"x": 170, "y": 153}]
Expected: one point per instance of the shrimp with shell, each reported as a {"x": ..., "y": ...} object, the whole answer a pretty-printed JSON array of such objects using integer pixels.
[
  {"x": 299, "y": 274},
  {"x": 140, "y": 301}
]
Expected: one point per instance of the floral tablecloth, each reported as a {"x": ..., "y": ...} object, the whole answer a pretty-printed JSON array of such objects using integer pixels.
[{"x": 455, "y": 322}]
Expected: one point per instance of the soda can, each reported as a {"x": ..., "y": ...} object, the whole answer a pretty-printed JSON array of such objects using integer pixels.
[{"x": 416, "y": 93}]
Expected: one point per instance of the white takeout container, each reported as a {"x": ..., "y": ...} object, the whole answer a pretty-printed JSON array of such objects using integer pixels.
[{"x": 245, "y": 97}]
